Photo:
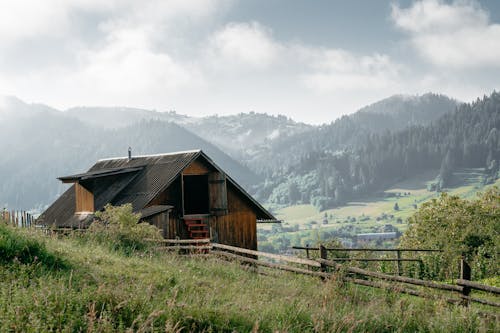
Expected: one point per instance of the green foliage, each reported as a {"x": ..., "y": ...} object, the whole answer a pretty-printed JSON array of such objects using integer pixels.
[
  {"x": 458, "y": 226},
  {"x": 349, "y": 158},
  {"x": 119, "y": 228},
  {"x": 17, "y": 247},
  {"x": 108, "y": 292}
]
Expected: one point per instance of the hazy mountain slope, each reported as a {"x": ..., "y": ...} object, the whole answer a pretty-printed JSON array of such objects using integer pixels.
[
  {"x": 466, "y": 138},
  {"x": 118, "y": 117},
  {"x": 43, "y": 145},
  {"x": 240, "y": 133},
  {"x": 400, "y": 111},
  {"x": 391, "y": 114},
  {"x": 237, "y": 134}
]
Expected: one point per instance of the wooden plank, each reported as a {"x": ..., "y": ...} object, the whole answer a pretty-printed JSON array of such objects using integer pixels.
[
  {"x": 481, "y": 301},
  {"x": 271, "y": 265},
  {"x": 217, "y": 193},
  {"x": 180, "y": 241},
  {"x": 84, "y": 199},
  {"x": 397, "y": 289},
  {"x": 268, "y": 255},
  {"x": 186, "y": 247},
  {"x": 365, "y": 249},
  {"x": 373, "y": 259},
  {"x": 196, "y": 168},
  {"x": 478, "y": 286},
  {"x": 429, "y": 284}
]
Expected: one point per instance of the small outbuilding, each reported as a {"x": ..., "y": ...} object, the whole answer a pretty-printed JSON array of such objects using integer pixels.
[{"x": 185, "y": 194}]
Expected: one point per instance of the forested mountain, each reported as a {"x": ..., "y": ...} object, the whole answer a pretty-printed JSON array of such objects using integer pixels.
[
  {"x": 329, "y": 174},
  {"x": 118, "y": 117},
  {"x": 391, "y": 114},
  {"x": 325, "y": 165},
  {"x": 236, "y": 134},
  {"x": 39, "y": 144}
]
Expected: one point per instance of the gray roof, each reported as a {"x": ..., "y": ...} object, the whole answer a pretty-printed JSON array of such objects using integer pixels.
[
  {"x": 154, "y": 210},
  {"x": 137, "y": 181}
]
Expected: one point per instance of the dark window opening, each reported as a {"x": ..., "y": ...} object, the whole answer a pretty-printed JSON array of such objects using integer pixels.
[{"x": 196, "y": 195}]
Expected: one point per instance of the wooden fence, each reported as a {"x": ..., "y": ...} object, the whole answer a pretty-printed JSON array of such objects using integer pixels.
[
  {"x": 323, "y": 266},
  {"x": 457, "y": 293},
  {"x": 18, "y": 218},
  {"x": 398, "y": 260},
  {"x": 328, "y": 268}
]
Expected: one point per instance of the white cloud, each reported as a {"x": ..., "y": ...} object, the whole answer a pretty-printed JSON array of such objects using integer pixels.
[
  {"x": 335, "y": 69},
  {"x": 128, "y": 64},
  {"x": 457, "y": 35},
  {"x": 244, "y": 44},
  {"x": 20, "y": 19}
]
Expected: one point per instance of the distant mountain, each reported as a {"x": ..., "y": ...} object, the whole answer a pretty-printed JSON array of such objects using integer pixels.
[
  {"x": 391, "y": 114},
  {"x": 118, "y": 117},
  {"x": 291, "y": 162},
  {"x": 236, "y": 134},
  {"x": 400, "y": 111},
  {"x": 13, "y": 108},
  {"x": 45, "y": 143},
  {"x": 330, "y": 172},
  {"x": 241, "y": 133}
]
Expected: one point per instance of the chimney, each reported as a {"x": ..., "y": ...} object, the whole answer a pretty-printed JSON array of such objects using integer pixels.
[{"x": 129, "y": 153}]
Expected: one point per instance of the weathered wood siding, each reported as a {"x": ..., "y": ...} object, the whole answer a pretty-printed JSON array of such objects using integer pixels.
[
  {"x": 161, "y": 221},
  {"x": 238, "y": 227},
  {"x": 196, "y": 168},
  {"x": 217, "y": 193},
  {"x": 84, "y": 199}
]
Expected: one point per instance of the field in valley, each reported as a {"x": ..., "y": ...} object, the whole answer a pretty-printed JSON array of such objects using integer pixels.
[{"x": 305, "y": 224}]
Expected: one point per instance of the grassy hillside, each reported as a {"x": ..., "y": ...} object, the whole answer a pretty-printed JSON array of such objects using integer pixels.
[
  {"x": 306, "y": 224},
  {"x": 98, "y": 290}
]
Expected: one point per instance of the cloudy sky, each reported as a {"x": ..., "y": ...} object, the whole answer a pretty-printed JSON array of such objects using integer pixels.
[{"x": 309, "y": 60}]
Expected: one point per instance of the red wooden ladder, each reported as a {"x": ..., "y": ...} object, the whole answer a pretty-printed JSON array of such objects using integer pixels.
[{"x": 196, "y": 227}]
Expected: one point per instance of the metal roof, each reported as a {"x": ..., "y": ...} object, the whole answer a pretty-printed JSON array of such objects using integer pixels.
[
  {"x": 137, "y": 180},
  {"x": 153, "y": 210},
  {"x": 97, "y": 174}
]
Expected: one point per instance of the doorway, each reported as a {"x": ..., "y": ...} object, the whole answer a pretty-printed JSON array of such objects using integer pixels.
[{"x": 195, "y": 193}]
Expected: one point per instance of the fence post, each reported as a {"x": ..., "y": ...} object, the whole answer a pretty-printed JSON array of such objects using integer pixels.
[
  {"x": 465, "y": 274},
  {"x": 307, "y": 251},
  {"x": 324, "y": 255},
  {"x": 398, "y": 267}
]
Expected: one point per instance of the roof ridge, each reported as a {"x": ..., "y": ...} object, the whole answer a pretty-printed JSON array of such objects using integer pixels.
[{"x": 150, "y": 155}]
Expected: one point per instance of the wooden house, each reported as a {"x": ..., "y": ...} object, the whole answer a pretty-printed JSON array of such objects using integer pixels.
[{"x": 185, "y": 194}]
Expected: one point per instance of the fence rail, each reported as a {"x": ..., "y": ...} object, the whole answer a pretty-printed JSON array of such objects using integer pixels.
[
  {"x": 398, "y": 260},
  {"x": 18, "y": 218},
  {"x": 321, "y": 267},
  {"x": 395, "y": 283}
]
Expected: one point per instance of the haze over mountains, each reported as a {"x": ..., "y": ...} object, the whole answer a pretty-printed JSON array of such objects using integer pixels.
[{"x": 279, "y": 160}]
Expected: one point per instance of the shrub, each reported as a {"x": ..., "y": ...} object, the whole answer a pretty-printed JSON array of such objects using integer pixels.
[
  {"x": 19, "y": 247},
  {"x": 458, "y": 226},
  {"x": 119, "y": 228}
]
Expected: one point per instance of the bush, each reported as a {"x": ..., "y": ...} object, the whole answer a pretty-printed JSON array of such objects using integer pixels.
[
  {"x": 119, "y": 228},
  {"x": 19, "y": 247},
  {"x": 458, "y": 226}
]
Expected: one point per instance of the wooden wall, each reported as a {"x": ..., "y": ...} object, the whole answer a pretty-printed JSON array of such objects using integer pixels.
[
  {"x": 84, "y": 199},
  {"x": 239, "y": 226},
  {"x": 197, "y": 168}
]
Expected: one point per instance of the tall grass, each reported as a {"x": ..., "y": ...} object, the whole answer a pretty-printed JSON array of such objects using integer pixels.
[
  {"x": 18, "y": 247},
  {"x": 108, "y": 291}
]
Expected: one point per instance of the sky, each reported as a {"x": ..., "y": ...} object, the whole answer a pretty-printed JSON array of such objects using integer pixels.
[{"x": 312, "y": 61}]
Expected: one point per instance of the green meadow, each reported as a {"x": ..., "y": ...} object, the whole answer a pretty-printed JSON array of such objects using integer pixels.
[{"x": 70, "y": 284}]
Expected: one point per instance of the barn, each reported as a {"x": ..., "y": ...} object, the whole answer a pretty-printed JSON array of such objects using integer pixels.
[{"x": 185, "y": 194}]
